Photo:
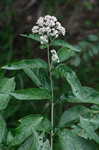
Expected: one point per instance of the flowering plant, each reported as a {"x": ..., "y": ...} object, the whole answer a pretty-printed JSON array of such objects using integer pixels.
[{"x": 48, "y": 127}]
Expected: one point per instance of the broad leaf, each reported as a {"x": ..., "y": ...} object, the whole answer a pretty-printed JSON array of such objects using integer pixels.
[
  {"x": 35, "y": 142},
  {"x": 32, "y": 76},
  {"x": 64, "y": 54},
  {"x": 27, "y": 126},
  {"x": 26, "y": 63},
  {"x": 81, "y": 94},
  {"x": 64, "y": 44},
  {"x": 35, "y": 37},
  {"x": 6, "y": 86},
  {"x": 88, "y": 127},
  {"x": 25, "y": 129},
  {"x": 73, "y": 114},
  {"x": 31, "y": 94},
  {"x": 2, "y": 129},
  {"x": 27, "y": 145},
  {"x": 69, "y": 141}
]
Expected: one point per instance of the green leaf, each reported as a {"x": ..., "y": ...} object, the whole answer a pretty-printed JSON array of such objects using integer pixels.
[
  {"x": 25, "y": 129},
  {"x": 45, "y": 125},
  {"x": 72, "y": 114},
  {"x": 93, "y": 38},
  {"x": 81, "y": 94},
  {"x": 64, "y": 44},
  {"x": 69, "y": 141},
  {"x": 40, "y": 143},
  {"x": 31, "y": 94},
  {"x": 84, "y": 94},
  {"x": 35, "y": 37},
  {"x": 64, "y": 54},
  {"x": 88, "y": 127},
  {"x": 28, "y": 144},
  {"x": 26, "y": 63},
  {"x": 32, "y": 76},
  {"x": 6, "y": 86},
  {"x": 9, "y": 137},
  {"x": 2, "y": 129}
]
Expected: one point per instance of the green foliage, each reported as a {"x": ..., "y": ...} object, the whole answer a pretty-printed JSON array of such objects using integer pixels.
[
  {"x": 31, "y": 94},
  {"x": 75, "y": 127},
  {"x": 62, "y": 43},
  {"x": 2, "y": 129},
  {"x": 70, "y": 141},
  {"x": 73, "y": 114},
  {"x": 22, "y": 64},
  {"x": 32, "y": 36},
  {"x": 6, "y": 86}
]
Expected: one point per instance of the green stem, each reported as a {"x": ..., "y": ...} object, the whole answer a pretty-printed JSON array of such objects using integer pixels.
[{"x": 52, "y": 98}]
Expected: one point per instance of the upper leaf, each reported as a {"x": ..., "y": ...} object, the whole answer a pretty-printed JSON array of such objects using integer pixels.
[
  {"x": 35, "y": 37},
  {"x": 64, "y": 44},
  {"x": 31, "y": 94},
  {"x": 82, "y": 94},
  {"x": 72, "y": 114},
  {"x": 64, "y": 54},
  {"x": 26, "y": 63}
]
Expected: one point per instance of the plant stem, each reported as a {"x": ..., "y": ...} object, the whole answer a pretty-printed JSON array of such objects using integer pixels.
[{"x": 52, "y": 97}]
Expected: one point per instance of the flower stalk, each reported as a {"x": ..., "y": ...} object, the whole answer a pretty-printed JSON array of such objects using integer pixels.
[{"x": 52, "y": 97}]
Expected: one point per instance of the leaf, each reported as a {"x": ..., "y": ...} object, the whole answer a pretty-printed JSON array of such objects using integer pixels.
[
  {"x": 40, "y": 143},
  {"x": 35, "y": 142},
  {"x": 6, "y": 86},
  {"x": 32, "y": 76},
  {"x": 89, "y": 129},
  {"x": 64, "y": 54},
  {"x": 25, "y": 129},
  {"x": 31, "y": 94},
  {"x": 92, "y": 38},
  {"x": 69, "y": 141},
  {"x": 45, "y": 125},
  {"x": 2, "y": 129},
  {"x": 81, "y": 94},
  {"x": 9, "y": 137},
  {"x": 26, "y": 63},
  {"x": 84, "y": 94},
  {"x": 27, "y": 145},
  {"x": 72, "y": 114},
  {"x": 35, "y": 37},
  {"x": 64, "y": 44}
]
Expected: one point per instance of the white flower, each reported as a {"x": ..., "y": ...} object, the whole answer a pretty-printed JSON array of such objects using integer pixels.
[
  {"x": 41, "y": 30},
  {"x": 55, "y": 57},
  {"x": 44, "y": 39},
  {"x": 63, "y": 31},
  {"x": 40, "y": 21},
  {"x": 35, "y": 29},
  {"x": 47, "y": 27},
  {"x": 54, "y": 18}
]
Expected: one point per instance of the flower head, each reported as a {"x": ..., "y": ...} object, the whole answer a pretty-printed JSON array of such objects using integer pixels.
[{"x": 48, "y": 26}]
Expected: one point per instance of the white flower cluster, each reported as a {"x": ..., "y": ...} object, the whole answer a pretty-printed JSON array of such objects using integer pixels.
[
  {"x": 55, "y": 57},
  {"x": 48, "y": 26}
]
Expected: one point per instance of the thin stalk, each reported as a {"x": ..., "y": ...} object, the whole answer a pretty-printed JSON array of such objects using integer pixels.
[{"x": 52, "y": 98}]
